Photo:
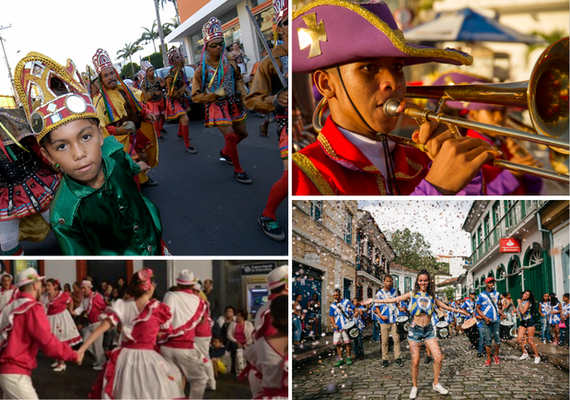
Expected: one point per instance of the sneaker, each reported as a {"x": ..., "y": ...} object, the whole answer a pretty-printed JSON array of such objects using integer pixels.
[
  {"x": 385, "y": 364},
  {"x": 399, "y": 362},
  {"x": 348, "y": 361},
  {"x": 488, "y": 362},
  {"x": 440, "y": 389},
  {"x": 536, "y": 360},
  {"x": 160, "y": 139},
  {"x": 98, "y": 367},
  {"x": 60, "y": 368},
  {"x": 479, "y": 355},
  {"x": 55, "y": 364},
  {"x": 226, "y": 159},
  {"x": 271, "y": 228},
  {"x": 428, "y": 360},
  {"x": 524, "y": 356},
  {"x": 414, "y": 392},
  {"x": 163, "y": 131},
  {"x": 150, "y": 182},
  {"x": 339, "y": 363},
  {"x": 191, "y": 150},
  {"x": 544, "y": 341},
  {"x": 496, "y": 359},
  {"x": 242, "y": 177}
]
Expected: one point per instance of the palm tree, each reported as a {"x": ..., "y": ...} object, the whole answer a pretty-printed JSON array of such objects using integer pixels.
[
  {"x": 128, "y": 51},
  {"x": 149, "y": 35},
  {"x": 175, "y": 4}
]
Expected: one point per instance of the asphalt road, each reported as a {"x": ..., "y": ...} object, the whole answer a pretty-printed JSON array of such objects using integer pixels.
[{"x": 204, "y": 210}]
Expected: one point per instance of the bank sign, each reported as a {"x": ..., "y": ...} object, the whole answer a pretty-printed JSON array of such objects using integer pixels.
[{"x": 510, "y": 245}]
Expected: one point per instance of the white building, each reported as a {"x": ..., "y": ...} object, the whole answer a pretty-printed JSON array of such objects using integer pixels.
[{"x": 457, "y": 264}]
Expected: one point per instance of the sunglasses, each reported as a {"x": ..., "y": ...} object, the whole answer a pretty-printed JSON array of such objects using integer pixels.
[{"x": 214, "y": 45}]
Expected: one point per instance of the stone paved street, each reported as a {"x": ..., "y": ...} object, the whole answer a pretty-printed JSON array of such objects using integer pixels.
[{"x": 462, "y": 373}]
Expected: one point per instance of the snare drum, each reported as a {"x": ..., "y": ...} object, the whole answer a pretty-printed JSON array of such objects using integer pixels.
[
  {"x": 351, "y": 329},
  {"x": 507, "y": 328},
  {"x": 442, "y": 328},
  {"x": 470, "y": 329},
  {"x": 402, "y": 325},
  {"x": 460, "y": 320}
]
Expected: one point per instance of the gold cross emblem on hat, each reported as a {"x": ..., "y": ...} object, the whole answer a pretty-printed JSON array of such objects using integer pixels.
[{"x": 312, "y": 36}]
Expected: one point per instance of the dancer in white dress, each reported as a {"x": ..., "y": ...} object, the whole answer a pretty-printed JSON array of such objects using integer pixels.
[
  {"x": 59, "y": 306},
  {"x": 135, "y": 370}
]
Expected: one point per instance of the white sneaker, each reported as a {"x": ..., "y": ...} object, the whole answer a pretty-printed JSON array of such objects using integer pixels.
[
  {"x": 536, "y": 360},
  {"x": 440, "y": 389},
  {"x": 414, "y": 392},
  {"x": 60, "y": 368},
  {"x": 98, "y": 367},
  {"x": 524, "y": 356},
  {"x": 55, "y": 364}
]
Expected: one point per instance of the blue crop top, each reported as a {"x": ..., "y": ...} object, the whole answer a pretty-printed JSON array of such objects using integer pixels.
[{"x": 421, "y": 303}]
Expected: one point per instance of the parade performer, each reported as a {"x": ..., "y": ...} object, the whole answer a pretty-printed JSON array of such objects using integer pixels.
[
  {"x": 488, "y": 309},
  {"x": 277, "y": 285},
  {"x": 8, "y": 292},
  {"x": 178, "y": 346},
  {"x": 152, "y": 87},
  {"x": 352, "y": 154},
  {"x": 25, "y": 329},
  {"x": 469, "y": 306},
  {"x": 422, "y": 307},
  {"x": 121, "y": 111},
  {"x": 177, "y": 105},
  {"x": 388, "y": 315},
  {"x": 554, "y": 317},
  {"x": 527, "y": 311},
  {"x": 219, "y": 85},
  {"x": 269, "y": 355},
  {"x": 98, "y": 209},
  {"x": 498, "y": 181},
  {"x": 27, "y": 184},
  {"x": 339, "y": 312},
  {"x": 59, "y": 306},
  {"x": 268, "y": 95},
  {"x": 203, "y": 336},
  {"x": 93, "y": 306},
  {"x": 135, "y": 369}
]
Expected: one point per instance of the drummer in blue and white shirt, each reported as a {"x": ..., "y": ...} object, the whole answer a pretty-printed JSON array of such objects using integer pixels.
[
  {"x": 388, "y": 315},
  {"x": 487, "y": 307},
  {"x": 564, "y": 318},
  {"x": 338, "y": 320},
  {"x": 469, "y": 306}
]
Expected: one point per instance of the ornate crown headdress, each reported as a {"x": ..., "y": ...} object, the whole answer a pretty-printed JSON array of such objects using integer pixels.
[
  {"x": 281, "y": 11},
  {"x": 51, "y": 94},
  {"x": 101, "y": 60},
  {"x": 174, "y": 56},
  {"x": 212, "y": 30}
]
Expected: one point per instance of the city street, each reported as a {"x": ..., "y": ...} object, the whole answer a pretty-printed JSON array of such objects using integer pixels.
[
  {"x": 76, "y": 382},
  {"x": 463, "y": 374},
  {"x": 204, "y": 210}
]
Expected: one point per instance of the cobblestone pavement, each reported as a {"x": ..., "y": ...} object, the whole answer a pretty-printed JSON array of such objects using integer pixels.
[{"x": 462, "y": 373}]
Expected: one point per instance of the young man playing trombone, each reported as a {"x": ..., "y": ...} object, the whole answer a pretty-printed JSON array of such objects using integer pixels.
[{"x": 357, "y": 54}]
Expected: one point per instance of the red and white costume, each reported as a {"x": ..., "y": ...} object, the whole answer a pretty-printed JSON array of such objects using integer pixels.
[
  {"x": 93, "y": 306},
  {"x": 178, "y": 346},
  {"x": 60, "y": 320},
  {"x": 135, "y": 370},
  {"x": 8, "y": 296},
  {"x": 25, "y": 329},
  {"x": 202, "y": 340},
  {"x": 274, "y": 368}
]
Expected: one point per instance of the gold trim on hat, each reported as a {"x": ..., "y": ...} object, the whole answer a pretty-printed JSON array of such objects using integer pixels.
[
  {"x": 303, "y": 162},
  {"x": 396, "y": 36}
]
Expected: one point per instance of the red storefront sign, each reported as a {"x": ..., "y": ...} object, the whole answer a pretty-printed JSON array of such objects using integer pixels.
[{"x": 510, "y": 245}]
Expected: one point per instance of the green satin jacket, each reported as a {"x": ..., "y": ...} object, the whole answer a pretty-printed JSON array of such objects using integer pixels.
[{"x": 115, "y": 219}]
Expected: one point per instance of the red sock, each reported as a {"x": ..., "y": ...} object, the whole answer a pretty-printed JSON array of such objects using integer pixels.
[
  {"x": 231, "y": 150},
  {"x": 157, "y": 128},
  {"x": 239, "y": 139},
  {"x": 277, "y": 194},
  {"x": 179, "y": 129},
  {"x": 185, "y": 134}
]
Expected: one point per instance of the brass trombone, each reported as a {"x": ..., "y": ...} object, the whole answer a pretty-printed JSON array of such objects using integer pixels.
[{"x": 545, "y": 95}]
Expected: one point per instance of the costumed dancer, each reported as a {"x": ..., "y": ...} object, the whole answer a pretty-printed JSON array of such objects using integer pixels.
[
  {"x": 135, "y": 369},
  {"x": 203, "y": 336},
  {"x": 8, "y": 292},
  {"x": 152, "y": 86},
  {"x": 352, "y": 154},
  {"x": 59, "y": 306},
  {"x": 25, "y": 329},
  {"x": 27, "y": 183},
  {"x": 93, "y": 306},
  {"x": 218, "y": 83},
  {"x": 277, "y": 285},
  {"x": 178, "y": 345},
  {"x": 177, "y": 105},
  {"x": 269, "y": 355},
  {"x": 98, "y": 208},
  {"x": 498, "y": 181},
  {"x": 121, "y": 111},
  {"x": 422, "y": 307},
  {"x": 268, "y": 95}
]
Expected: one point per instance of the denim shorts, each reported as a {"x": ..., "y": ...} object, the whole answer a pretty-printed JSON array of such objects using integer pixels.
[
  {"x": 418, "y": 333},
  {"x": 528, "y": 323}
]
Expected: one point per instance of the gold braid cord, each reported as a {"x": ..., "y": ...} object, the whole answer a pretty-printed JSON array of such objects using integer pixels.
[{"x": 313, "y": 174}]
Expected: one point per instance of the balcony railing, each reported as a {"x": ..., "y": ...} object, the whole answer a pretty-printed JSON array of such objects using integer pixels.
[{"x": 518, "y": 211}]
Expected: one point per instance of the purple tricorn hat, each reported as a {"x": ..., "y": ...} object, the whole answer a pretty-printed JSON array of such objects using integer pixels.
[
  {"x": 454, "y": 77},
  {"x": 336, "y": 32}
]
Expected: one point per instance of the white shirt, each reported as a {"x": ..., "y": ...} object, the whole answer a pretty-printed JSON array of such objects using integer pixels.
[{"x": 372, "y": 149}]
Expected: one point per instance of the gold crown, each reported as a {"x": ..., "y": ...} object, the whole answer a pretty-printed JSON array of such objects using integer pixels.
[{"x": 51, "y": 94}]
